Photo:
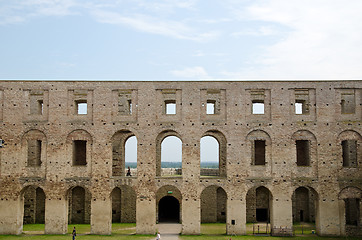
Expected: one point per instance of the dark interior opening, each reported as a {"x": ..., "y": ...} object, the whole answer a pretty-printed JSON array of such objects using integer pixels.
[
  {"x": 169, "y": 210},
  {"x": 259, "y": 154},
  {"x": 79, "y": 153},
  {"x": 352, "y": 211},
  {"x": 302, "y": 152},
  {"x": 261, "y": 214},
  {"x": 301, "y": 216}
]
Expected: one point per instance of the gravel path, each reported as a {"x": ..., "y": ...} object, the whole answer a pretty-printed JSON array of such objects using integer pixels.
[{"x": 169, "y": 231}]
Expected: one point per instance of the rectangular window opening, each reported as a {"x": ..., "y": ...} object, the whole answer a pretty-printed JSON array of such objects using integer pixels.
[
  {"x": 259, "y": 152},
  {"x": 79, "y": 153},
  {"x": 302, "y": 152},
  {"x": 40, "y": 107},
  {"x": 300, "y": 107},
  {"x": 36, "y": 104},
  {"x": 258, "y": 107},
  {"x": 130, "y": 106},
  {"x": 349, "y": 153},
  {"x": 210, "y": 107},
  {"x": 348, "y": 104},
  {"x": 81, "y": 107},
  {"x": 170, "y": 107},
  {"x": 34, "y": 153},
  {"x": 352, "y": 211}
]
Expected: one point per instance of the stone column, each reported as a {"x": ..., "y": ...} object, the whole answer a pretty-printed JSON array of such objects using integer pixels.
[
  {"x": 146, "y": 174},
  {"x": 101, "y": 216},
  {"x": 191, "y": 216},
  {"x": 146, "y": 215},
  {"x": 281, "y": 214},
  {"x": 191, "y": 202},
  {"x": 56, "y": 215},
  {"x": 11, "y": 217},
  {"x": 236, "y": 216},
  {"x": 342, "y": 218}
]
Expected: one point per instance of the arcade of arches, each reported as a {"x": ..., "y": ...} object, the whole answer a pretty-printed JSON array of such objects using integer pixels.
[{"x": 280, "y": 166}]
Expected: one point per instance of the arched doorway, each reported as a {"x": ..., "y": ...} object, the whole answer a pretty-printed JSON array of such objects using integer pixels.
[
  {"x": 79, "y": 205},
  {"x": 123, "y": 204},
  {"x": 350, "y": 198},
  {"x": 304, "y": 204},
  {"x": 258, "y": 205},
  {"x": 213, "y": 205},
  {"x": 169, "y": 210},
  {"x": 34, "y": 205}
]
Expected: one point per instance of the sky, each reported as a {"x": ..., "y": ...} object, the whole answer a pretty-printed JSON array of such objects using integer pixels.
[
  {"x": 180, "y": 39},
  {"x": 171, "y": 149}
]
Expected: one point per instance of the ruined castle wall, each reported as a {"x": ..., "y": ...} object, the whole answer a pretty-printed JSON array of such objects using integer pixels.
[{"x": 331, "y": 114}]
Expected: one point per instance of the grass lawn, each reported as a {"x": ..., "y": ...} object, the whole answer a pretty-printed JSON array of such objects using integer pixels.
[
  {"x": 224, "y": 237},
  {"x": 123, "y": 231},
  {"x": 119, "y": 231},
  {"x": 213, "y": 228}
]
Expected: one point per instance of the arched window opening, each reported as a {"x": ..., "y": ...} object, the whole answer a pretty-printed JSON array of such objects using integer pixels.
[
  {"x": 171, "y": 156},
  {"x": 350, "y": 151},
  {"x": 123, "y": 205},
  {"x": 79, "y": 206},
  {"x": 131, "y": 156},
  {"x": 35, "y": 145},
  {"x": 34, "y": 205},
  {"x": 124, "y": 154},
  {"x": 305, "y": 148},
  {"x": 80, "y": 147},
  {"x": 209, "y": 156}
]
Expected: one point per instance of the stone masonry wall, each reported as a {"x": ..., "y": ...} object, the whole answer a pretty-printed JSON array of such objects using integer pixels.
[{"x": 118, "y": 110}]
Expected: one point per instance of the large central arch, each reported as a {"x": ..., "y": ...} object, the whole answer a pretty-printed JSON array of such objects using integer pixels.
[
  {"x": 168, "y": 204},
  {"x": 168, "y": 209}
]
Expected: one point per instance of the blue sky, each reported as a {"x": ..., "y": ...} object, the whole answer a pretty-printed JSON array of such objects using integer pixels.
[{"x": 180, "y": 39}]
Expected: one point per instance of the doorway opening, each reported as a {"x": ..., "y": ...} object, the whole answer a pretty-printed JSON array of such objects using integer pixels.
[{"x": 169, "y": 210}]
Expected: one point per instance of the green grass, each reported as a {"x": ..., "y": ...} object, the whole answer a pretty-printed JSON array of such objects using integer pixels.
[
  {"x": 117, "y": 228},
  {"x": 123, "y": 231},
  {"x": 219, "y": 237},
  {"x": 123, "y": 228},
  {"x": 303, "y": 228},
  {"x": 81, "y": 228},
  {"x": 33, "y": 227},
  {"x": 79, "y": 237},
  {"x": 213, "y": 228}
]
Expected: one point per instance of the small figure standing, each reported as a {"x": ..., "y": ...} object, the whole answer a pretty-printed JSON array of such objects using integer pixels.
[
  {"x": 128, "y": 171},
  {"x": 74, "y": 233},
  {"x": 158, "y": 236}
]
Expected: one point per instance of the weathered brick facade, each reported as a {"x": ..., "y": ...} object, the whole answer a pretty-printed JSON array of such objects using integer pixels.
[{"x": 279, "y": 165}]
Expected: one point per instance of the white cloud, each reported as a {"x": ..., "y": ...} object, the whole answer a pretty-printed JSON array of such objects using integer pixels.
[
  {"x": 191, "y": 73},
  {"x": 154, "y": 25},
  {"x": 166, "y": 6},
  {"x": 260, "y": 31},
  {"x": 19, "y": 11},
  {"x": 324, "y": 41}
]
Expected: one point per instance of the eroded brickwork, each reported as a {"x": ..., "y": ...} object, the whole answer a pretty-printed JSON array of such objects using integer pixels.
[{"x": 297, "y": 159}]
